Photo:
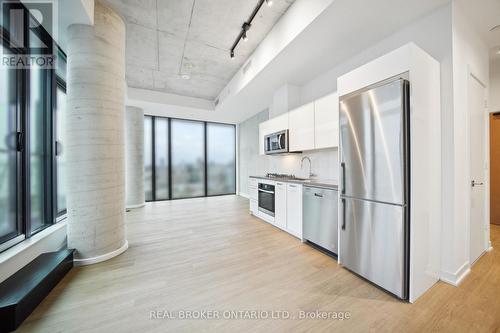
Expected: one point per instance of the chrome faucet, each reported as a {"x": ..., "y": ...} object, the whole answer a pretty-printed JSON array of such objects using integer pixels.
[{"x": 310, "y": 165}]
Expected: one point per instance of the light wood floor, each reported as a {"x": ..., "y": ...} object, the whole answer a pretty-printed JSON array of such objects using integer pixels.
[{"x": 210, "y": 254}]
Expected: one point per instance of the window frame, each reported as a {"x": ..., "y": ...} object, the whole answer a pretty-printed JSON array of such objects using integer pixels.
[
  {"x": 169, "y": 153},
  {"x": 60, "y": 83},
  {"x": 50, "y": 81}
]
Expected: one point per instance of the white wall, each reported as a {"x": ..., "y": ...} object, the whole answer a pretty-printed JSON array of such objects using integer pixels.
[
  {"x": 494, "y": 102},
  {"x": 470, "y": 55}
]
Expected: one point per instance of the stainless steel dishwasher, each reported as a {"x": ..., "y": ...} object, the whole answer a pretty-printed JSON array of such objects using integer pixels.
[{"x": 320, "y": 217}]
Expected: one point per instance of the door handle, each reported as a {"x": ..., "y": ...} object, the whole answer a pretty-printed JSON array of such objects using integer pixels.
[
  {"x": 318, "y": 195},
  {"x": 342, "y": 165},
  {"x": 343, "y": 214},
  {"x": 474, "y": 183}
]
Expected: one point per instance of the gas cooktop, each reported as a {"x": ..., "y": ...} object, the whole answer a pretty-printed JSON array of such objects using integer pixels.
[{"x": 281, "y": 176}]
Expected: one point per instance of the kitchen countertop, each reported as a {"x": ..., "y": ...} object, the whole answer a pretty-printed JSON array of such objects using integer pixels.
[{"x": 322, "y": 183}]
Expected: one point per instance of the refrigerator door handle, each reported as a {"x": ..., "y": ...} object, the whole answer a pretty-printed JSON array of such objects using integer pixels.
[
  {"x": 342, "y": 165},
  {"x": 343, "y": 213}
]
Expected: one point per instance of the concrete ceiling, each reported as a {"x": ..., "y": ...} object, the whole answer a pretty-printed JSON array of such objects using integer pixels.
[
  {"x": 169, "y": 39},
  {"x": 345, "y": 29}
]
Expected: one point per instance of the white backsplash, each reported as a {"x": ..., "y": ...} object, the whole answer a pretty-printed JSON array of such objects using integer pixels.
[{"x": 324, "y": 164}]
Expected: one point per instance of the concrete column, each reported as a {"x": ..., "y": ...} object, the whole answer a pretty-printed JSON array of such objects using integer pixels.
[
  {"x": 134, "y": 156},
  {"x": 95, "y": 138}
]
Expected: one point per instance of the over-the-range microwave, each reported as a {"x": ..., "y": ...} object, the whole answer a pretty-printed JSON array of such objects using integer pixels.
[{"x": 276, "y": 143}]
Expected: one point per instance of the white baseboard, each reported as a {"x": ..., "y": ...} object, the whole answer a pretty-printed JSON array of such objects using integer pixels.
[
  {"x": 456, "y": 278},
  {"x": 104, "y": 257},
  {"x": 135, "y": 206},
  {"x": 244, "y": 195},
  {"x": 490, "y": 247}
]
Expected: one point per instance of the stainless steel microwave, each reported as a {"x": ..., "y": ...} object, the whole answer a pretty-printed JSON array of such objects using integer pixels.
[{"x": 276, "y": 143}]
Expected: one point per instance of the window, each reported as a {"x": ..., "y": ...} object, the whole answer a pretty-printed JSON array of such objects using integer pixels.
[
  {"x": 221, "y": 156},
  {"x": 30, "y": 194},
  {"x": 148, "y": 158},
  {"x": 8, "y": 155},
  {"x": 60, "y": 134},
  {"x": 191, "y": 158},
  {"x": 161, "y": 159},
  {"x": 188, "y": 159},
  {"x": 40, "y": 129}
]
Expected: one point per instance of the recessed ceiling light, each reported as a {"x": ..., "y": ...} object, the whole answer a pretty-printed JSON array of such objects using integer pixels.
[
  {"x": 269, "y": 2},
  {"x": 185, "y": 77}
]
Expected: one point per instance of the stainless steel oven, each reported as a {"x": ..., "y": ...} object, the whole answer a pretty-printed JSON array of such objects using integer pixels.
[
  {"x": 266, "y": 198},
  {"x": 276, "y": 143}
]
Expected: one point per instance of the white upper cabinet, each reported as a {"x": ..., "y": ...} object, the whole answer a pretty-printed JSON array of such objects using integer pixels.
[
  {"x": 311, "y": 126},
  {"x": 273, "y": 125},
  {"x": 326, "y": 122},
  {"x": 301, "y": 128}
]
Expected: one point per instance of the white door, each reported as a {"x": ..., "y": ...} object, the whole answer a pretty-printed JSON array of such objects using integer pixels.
[{"x": 477, "y": 113}]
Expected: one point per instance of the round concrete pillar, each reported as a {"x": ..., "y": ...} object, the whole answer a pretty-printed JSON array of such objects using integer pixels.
[
  {"x": 95, "y": 138},
  {"x": 134, "y": 156}
]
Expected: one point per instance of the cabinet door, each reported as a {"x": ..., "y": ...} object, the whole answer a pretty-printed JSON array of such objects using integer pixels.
[
  {"x": 301, "y": 131},
  {"x": 326, "y": 122},
  {"x": 294, "y": 209},
  {"x": 253, "y": 188},
  {"x": 263, "y": 131},
  {"x": 254, "y": 207},
  {"x": 278, "y": 124},
  {"x": 280, "y": 210}
]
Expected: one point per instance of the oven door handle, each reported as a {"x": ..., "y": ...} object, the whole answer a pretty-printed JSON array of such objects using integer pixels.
[{"x": 265, "y": 191}]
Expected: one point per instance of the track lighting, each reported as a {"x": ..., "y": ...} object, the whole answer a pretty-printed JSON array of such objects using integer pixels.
[{"x": 246, "y": 25}]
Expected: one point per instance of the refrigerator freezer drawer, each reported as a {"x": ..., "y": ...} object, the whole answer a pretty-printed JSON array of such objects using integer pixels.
[{"x": 373, "y": 238}]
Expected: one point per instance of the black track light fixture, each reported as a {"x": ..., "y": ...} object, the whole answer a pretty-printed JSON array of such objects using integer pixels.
[{"x": 246, "y": 25}]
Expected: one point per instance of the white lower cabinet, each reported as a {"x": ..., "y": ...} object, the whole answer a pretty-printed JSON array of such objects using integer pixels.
[
  {"x": 294, "y": 209},
  {"x": 254, "y": 206},
  {"x": 280, "y": 205},
  {"x": 287, "y": 206}
]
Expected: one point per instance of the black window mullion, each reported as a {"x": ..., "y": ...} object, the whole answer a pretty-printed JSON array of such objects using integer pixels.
[
  {"x": 26, "y": 154},
  {"x": 51, "y": 201}
]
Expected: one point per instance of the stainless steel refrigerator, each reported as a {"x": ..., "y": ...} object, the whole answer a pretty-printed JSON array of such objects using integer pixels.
[{"x": 375, "y": 193}]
